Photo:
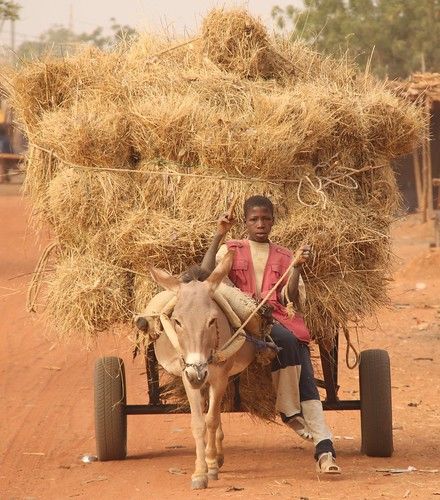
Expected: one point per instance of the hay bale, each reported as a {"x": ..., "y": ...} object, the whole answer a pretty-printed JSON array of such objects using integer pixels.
[
  {"x": 50, "y": 83},
  {"x": 144, "y": 238},
  {"x": 205, "y": 199},
  {"x": 274, "y": 132},
  {"x": 238, "y": 43},
  {"x": 82, "y": 204},
  {"x": 394, "y": 127},
  {"x": 87, "y": 296},
  {"x": 309, "y": 65},
  {"x": 40, "y": 86},
  {"x": 158, "y": 186},
  {"x": 94, "y": 133},
  {"x": 379, "y": 193},
  {"x": 163, "y": 127}
]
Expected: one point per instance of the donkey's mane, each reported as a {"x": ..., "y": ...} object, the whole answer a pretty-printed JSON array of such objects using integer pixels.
[{"x": 194, "y": 273}]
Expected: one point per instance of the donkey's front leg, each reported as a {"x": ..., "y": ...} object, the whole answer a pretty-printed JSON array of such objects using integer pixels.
[
  {"x": 219, "y": 435},
  {"x": 213, "y": 424},
  {"x": 199, "y": 479}
]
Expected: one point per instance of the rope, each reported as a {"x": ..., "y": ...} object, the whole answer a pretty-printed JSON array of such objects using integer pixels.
[
  {"x": 249, "y": 180},
  {"x": 35, "y": 284},
  {"x": 318, "y": 190},
  {"x": 350, "y": 346},
  {"x": 322, "y": 181}
]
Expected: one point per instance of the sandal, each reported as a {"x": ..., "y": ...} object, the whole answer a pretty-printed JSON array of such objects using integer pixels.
[{"x": 326, "y": 464}]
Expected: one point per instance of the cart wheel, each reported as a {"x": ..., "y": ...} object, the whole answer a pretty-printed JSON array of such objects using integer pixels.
[
  {"x": 110, "y": 417},
  {"x": 376, "y": 409}
]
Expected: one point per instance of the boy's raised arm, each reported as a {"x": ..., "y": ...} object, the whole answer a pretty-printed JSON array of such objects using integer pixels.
[{"x": 224, "y": 224}]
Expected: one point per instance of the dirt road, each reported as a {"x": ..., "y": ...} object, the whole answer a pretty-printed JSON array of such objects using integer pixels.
[{"x": 47, "y": 403}]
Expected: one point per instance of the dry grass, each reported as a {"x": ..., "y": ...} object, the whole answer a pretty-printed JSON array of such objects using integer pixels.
[
  {"x": 82, "y": 204},
  {"x": 86, "y": 296},
  {"x": 347, "y": 276},
  {"x": 392, "y": 128},
  {"x": 163, "y": 127},
  {"x": 50, "y": 83},
  {"x": 233, "y": 103},
  {"x": 144, "y": 238},
  {"x": 92, "y": 133},
  {"x": 40, "y": 170}
]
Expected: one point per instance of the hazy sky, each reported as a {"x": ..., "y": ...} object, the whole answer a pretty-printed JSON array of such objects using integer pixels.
[{"x": 85, "y": 15}]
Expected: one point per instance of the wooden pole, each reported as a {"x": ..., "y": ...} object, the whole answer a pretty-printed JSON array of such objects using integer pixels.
[
  {"x": 418, "y": 181},
  {"x": 436, "y": 183},
  {"x": 425, "y": 185},
  {"x": 428, "y": 154}
]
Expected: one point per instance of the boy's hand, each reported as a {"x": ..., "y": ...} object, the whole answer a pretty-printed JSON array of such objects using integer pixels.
[
  {"x": 302, "y": 256},
  {"x": 224, "y": 224}
]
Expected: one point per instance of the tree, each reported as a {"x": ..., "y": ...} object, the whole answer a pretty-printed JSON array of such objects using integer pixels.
[
  {"x": 9, "y": 10},
  {"x": 58, "y": 39},
  {"x": 403, "y": 35}
]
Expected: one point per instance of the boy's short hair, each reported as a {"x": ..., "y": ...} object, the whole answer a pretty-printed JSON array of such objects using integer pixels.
[{"x": 257, "y": 201}]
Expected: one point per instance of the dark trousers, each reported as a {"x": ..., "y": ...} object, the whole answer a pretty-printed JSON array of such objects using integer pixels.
[{"x": 294, "y": 352}]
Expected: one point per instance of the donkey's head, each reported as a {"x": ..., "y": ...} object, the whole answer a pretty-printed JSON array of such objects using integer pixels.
[{"x": 195, "y": 319}]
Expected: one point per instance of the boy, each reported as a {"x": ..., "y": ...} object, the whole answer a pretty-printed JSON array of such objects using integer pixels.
[{"x": 258, "y": 264}]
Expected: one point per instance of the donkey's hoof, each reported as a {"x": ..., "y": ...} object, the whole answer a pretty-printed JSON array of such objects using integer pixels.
[
  {"x": 213, "y": 474},
  {"x": 220, "y": 460},
  {"x": 199, "y": 483}
]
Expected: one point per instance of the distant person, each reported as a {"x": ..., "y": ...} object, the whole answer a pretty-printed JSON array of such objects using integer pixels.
[{"x": 5, "y": 147}]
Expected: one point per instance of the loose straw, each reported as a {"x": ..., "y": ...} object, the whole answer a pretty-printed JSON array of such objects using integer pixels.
[{"x": 35, "y": 284}]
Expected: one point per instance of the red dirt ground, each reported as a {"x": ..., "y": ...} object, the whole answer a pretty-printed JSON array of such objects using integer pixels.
[{"x": 47, "y": 403}]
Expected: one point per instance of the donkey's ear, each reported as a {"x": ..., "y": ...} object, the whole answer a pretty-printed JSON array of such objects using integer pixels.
[
  {"x": 165, "y": 279},
  {"x": 221, "y": 271}
]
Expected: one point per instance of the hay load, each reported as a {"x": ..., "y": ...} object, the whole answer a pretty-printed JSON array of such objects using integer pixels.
[{"x": 138, "y": 161}]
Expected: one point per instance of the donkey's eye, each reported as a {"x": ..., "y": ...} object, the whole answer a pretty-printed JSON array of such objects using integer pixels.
[
  {"x": 178, "y": 323},
  {"x": 211, "y": 321}
]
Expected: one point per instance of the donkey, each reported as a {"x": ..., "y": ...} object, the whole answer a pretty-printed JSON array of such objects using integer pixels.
[{"x": 198, "y": 329}]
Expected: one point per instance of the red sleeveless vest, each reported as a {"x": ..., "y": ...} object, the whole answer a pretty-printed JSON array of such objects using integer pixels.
[{"x": 243, "y": 276}]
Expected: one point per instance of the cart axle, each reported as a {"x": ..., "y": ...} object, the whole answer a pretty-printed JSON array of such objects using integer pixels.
[{"x": 169, "y": 408}]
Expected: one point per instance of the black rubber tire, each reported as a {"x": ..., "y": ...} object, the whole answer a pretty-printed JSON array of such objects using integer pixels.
[
  {"x": 376, "y": 405},
  {"x": 110, "y": 401}
]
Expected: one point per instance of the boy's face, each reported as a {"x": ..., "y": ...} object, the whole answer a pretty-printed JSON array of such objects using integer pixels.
[{"x": 259, "y": 222}]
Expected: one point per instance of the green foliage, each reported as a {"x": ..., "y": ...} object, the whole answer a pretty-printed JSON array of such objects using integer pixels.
[
  {"x": 402, "y": 35},
  {"x": 58, "y": 40}
]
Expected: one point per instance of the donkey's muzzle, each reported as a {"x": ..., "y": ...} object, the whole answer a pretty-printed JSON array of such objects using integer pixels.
[{"x": 196, "y": 374}]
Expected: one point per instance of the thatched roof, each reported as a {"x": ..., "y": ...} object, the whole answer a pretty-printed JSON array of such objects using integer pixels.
[{"x": 419, "y": 85}]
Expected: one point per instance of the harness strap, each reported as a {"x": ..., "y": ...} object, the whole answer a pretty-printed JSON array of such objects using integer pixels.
[{"x": 170, "y": 332}]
